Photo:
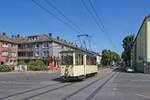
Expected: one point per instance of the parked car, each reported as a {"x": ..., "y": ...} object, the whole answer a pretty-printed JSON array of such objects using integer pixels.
[{"x": 130, "y": 70}]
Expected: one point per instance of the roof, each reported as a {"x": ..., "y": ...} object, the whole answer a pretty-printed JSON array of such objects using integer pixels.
[
  {"x": 36, "y": 38},
  {"x": 41, "y": 38},
  {"x": 5, "y": 38},
  {"x": 141, "y": 27},
  {"x": 80, "y": 51}
]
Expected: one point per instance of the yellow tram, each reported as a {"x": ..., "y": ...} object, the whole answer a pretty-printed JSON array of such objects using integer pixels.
[{"x": 77, "y": 64}]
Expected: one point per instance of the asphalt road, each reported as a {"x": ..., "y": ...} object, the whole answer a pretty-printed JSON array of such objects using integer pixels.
[{"x": 106, "y": 85}]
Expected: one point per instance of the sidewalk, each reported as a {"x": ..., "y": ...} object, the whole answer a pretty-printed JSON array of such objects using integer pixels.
[{"x": 32, "y": 72}]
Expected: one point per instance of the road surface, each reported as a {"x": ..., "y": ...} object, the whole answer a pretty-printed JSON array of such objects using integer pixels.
[{"x": 106, "y": 85}]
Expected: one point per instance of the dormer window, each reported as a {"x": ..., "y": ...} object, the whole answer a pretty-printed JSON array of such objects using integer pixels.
[
  {"x": 5, "y": 44},
  {"x": 32, "y": 38}
]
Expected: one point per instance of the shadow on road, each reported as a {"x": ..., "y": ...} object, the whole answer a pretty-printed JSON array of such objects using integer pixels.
[
  {"x": 61, "y": 80},
  {"x": 119, "y": 70}
]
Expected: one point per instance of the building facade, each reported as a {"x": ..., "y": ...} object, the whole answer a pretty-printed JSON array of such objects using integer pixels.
[
  {"x": 8, "y": 50},
  {"x": 39, "y": 47},
  {"x": 141, "y": 48}
]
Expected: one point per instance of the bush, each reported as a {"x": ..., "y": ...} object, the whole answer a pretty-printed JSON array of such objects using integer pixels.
[
  {"x": 21, "y": 63},
  {"x": 37, "y": 65},
  {"x": 5, "y": 68}
]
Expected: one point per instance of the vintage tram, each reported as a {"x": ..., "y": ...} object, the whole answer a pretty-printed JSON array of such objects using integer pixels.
[{"x": 77, "y": 64}]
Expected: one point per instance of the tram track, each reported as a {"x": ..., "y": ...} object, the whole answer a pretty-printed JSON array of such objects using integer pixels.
[
  {"x": 27, "y": 91},
  {"x": 88, "y": 85},
  {"x": 48, "y": 91},
  {"x": 57, "y": 88},
  {"x": 100, "y": 87},
  {"x": 43, "y": 91}
]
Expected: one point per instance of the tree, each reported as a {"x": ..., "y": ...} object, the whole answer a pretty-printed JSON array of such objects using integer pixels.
[
  {"x": 37, "y": 65},
  {"x": 127, "y": 45},
  {"x": 108, "y": 57}
]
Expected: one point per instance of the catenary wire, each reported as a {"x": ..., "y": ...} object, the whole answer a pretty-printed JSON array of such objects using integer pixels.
[
  {"x": 97, "y": 20},
  {"x": 50, "y": 13}
]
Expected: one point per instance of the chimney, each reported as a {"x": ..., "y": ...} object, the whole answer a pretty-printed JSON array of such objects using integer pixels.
[
  {"x": 12, "y": 36},
  {"x": 18, "y": 35},
  {"x": 57, "y": 37},
  {"x": 3, "y": 33},
  {"x": 50, "y": 34}
]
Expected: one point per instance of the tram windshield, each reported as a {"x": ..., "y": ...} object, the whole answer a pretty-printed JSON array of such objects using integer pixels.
[{"x": 66, "y": 58}]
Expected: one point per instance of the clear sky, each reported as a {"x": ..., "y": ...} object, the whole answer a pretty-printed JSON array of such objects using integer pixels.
[{"x": 120, "y": 18}]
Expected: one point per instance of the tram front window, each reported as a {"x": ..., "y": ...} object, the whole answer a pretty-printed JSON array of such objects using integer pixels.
[{"x": 67, "y": 59}]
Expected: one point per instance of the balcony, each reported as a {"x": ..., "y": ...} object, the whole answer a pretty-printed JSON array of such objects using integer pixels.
[
  {"x": 25, "y": 49},
  {"x": 30, "y": 57}
]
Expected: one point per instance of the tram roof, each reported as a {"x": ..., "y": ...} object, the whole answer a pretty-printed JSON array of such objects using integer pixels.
[{"x": 79, "y": 51}]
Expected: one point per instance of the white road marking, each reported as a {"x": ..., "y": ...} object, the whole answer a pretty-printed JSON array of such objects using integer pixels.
[{"x": 147, "y": 97}]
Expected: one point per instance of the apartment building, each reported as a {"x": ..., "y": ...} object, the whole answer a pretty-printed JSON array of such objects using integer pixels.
[
  {"x": 8, "y": 50},
  {"x": 141, "y": 48},
  {"x": 37, "y": 47},
  {"x": 41, "y": 46}
]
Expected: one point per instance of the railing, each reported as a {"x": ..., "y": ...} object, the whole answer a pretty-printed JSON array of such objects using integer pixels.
[
  {"x": 25, "y": 49},
  {"x": 29, "y": 57}
]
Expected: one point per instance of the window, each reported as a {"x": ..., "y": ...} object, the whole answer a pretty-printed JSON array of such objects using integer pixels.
[
  {"x": 4, "y": 53},
  {"x": 9, "y": 54},
  {"x": 46, "y": 53},
  {"x": 62, "y": 46},
  {"x": 45, "y": 45},
  {"x": 14, "y": 45},
  {"x": 36, "y": 45},
  {"x": 78, "y": 59},
  {"x": 67, "y": 59},
  {"x": 36, "y": 53},
  {"x": 13, "y": 54},
  {"x": 90, "y": 60},
  {"x": 5, "y": 44}
]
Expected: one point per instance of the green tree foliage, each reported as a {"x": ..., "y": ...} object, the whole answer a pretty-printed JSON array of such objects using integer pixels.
[
  {"x": 127, "y": 45},
  {"x": 37, "y": 65},
  {"x": 108, "y": 57}
]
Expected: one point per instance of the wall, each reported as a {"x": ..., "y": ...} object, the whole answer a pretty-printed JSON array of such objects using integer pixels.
[
  {"x": 8, "y": 55},
  {"x": 141, "y": 48},
  {"x": 148, "y": 39}
]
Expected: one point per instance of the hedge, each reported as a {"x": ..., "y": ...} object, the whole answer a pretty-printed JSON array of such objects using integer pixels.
[{"x": 5, "y": 68}]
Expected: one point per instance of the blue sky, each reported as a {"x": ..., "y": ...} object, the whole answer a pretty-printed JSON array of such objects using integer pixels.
[{"x": 120, "y": 17}]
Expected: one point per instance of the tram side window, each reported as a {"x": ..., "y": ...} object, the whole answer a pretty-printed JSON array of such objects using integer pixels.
[
  {"x": 78, "y": 59},
  {"x": 94, "y": 61},
  {"x": 67, "y": 59},
  {"x": 90, "y": 60}
]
